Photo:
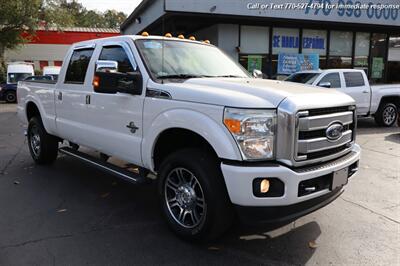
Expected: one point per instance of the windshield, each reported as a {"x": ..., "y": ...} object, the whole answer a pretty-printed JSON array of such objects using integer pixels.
[
  {"x": 15, "y": 77},
  {"x": 305, "y": 78},
  {"x": 187, "y": 60}
]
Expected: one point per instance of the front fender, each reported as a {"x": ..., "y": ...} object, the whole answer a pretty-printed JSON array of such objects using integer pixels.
[{"x": 214, "y": 133}]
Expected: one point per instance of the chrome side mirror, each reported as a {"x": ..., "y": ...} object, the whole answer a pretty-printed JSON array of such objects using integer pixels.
[
  {"x": 107, "y": 66},
  {"x": 325, "y": 84},
  {"x": 257, "y": 74}
]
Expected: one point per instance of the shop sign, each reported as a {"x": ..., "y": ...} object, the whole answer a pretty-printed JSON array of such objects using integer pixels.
[
  {"x": 377, "y": 67},
  {"x": 254, "y": 62},
  {"x": 291, "y": 63}
]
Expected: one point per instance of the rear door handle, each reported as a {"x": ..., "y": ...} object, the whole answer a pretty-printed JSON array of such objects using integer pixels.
[
  {"x": 88, "y": 99},
  {"x": 59, "y": 96}
]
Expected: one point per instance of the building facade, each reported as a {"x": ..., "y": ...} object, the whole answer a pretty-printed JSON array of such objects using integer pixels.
[
  {"x": 49, "y": 46},
  {"x": 364, "y": 34}
]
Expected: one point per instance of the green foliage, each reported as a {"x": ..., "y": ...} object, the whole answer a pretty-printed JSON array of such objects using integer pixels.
[{"x": 18, "y": 16}]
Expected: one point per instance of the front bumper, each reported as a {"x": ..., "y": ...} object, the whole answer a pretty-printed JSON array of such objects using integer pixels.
[
  {"x": 239, "y": 180},
  {"x": 284, "y": 214}
]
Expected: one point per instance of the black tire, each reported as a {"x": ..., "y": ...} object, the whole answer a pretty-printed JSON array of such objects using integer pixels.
[
  {"x": 10, "y": 97},
  {"x": 217, "y": 214},
  {"x": 386, "y": 115},
  {"x": 42, "y": 146}
]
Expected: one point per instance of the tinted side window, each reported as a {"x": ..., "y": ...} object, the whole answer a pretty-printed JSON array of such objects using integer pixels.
[
  {"x": 117, "y": 53},
  {"x": 333, "y": 78},
  {"x": 354, "y": 79},
  {"x": 78, "y": 65}
]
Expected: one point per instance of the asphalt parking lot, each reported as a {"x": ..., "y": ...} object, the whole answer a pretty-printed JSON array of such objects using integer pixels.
[{"x": 72, "y": 214}]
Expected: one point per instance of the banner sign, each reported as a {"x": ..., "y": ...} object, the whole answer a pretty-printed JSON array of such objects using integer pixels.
[
  {"x": 254, "y": 62},
  {"x": 291, "y": 63}
]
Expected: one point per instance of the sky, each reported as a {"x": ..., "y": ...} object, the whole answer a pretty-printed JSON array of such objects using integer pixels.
[{"x": 126, "y": 6}]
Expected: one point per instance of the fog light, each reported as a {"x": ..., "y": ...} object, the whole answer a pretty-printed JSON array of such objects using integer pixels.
[
  {"x": 264, "y": 186},
  {"x": 268, "y": 187}
]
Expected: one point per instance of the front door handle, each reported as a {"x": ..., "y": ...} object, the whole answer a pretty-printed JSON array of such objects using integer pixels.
[
  {"x": 365, "y": 92},
  {"x": 88, "y": 99},
  {"x": 59, "y": 96}
]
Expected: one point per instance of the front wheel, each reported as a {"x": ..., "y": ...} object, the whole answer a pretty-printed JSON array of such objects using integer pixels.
[
  {"x": 193, "y": 195},
  {"x": 43, "y": 147},
  {"x": 386, "y": 115}
]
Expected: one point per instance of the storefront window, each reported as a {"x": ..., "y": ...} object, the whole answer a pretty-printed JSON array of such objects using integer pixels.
[
  {"x": 254, "y": 40},
  {"x": 256, "y": 61},
  {"x": 340, "y": 51},
  {"x": 314, "y": 42},
  {"x": 394, "y": 59},
  {"x": 284, "y": 40},
  {"x": 254, "y": 49},
  {"x": 362, "y": 51},
  {"x": 378, "y": 52}
]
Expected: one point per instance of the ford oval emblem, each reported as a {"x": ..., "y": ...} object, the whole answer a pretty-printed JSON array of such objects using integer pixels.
[{"x": 334, "y": 131}]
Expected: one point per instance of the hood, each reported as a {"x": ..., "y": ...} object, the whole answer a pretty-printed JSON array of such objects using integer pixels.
[{"x": 251, "y": 93}]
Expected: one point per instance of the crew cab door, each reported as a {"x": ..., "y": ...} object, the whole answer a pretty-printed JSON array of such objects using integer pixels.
[
  {"x": 115, "y": 119},
  {"x": 357, "y": 86},
  {"x": 70, "y": 96}
]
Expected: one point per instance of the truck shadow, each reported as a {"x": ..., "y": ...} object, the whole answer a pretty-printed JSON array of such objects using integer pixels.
[
  {"x": 132, "y": 217},
  {"x": 368, "y": 126}
]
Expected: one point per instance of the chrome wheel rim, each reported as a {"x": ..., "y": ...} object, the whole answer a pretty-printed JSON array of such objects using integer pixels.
[
  {"x": 184, "y": 198},
  {"x": 389, "y": 115},
  {"x": 34, "y": 140}
]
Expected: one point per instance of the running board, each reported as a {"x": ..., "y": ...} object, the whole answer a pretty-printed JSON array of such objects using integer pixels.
[{"x": 108, "y": 167}]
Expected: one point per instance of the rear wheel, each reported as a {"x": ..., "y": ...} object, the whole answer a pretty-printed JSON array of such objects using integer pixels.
[
  {"x": 43, "y": 147},
  {"x": 193, "y": 195},
  {"x": 10, "y": 97},
  {"x": 386, "y": 115}
]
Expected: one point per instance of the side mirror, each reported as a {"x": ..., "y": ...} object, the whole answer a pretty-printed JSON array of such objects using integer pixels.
[
  {"x": 325, "y": 84},
  {"x": 107, "y": 79},
  {"x": 257, "y": 74}
]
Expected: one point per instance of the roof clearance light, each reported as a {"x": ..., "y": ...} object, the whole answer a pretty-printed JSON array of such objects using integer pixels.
[
  {"x": 168, "y": 35},
  {"x": 181, "y": 36},
  {"x": 206, "y": 41},
  {"x": 192, "y": 38},
  {"x": 145, "y": 34}
]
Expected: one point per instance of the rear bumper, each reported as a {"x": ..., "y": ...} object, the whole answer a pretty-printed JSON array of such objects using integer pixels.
[
  {"x": 239, "y": 180},
  {"x": 282, "y": 214}
]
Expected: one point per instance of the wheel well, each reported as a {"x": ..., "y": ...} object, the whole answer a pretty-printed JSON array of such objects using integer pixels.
[
  {"x": 175, "y": 139},
  {"x": 390, "y": 99},
  {"x": 32, "y": 110}
]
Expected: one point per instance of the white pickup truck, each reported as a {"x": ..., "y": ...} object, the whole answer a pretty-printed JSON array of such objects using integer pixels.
[
  {"x": 218, "y": 141},
  {"x": 380, "y": 101}
]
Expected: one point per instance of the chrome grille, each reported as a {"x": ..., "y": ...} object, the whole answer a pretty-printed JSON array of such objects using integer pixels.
[{"x": 311, "y": 141}]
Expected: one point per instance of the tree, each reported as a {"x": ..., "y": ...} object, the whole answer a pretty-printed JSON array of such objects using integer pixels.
[{"x": 18, "y": 16}]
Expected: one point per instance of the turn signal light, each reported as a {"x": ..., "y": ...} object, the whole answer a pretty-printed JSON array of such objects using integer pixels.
[
  {"x": 168, "y": 35},
  {"x": 181, "y": 36},
  {"x": 96, "y": 82},
  {"x": 192, "y": 38},
  {"x": 145, "y": 34},
  {"x": 233, "y": 125}
]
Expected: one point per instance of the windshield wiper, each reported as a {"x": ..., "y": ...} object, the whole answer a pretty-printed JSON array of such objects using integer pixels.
[
  {"x": 180, "y": 76},
  {"x": 228, "y": 76}
]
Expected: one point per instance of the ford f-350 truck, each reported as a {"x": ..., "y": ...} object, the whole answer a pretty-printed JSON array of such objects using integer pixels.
[{"x": 218, "y": 141}]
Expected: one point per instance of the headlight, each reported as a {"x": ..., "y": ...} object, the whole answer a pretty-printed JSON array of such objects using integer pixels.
[{"x": 253, "y": 130}]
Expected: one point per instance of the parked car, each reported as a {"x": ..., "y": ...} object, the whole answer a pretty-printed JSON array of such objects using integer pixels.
[
  {"x": 380, "y": 101},
  {"x": 15, "y": 72},
  {"x": 218, "y": 141},
  {"x": 52, "y": 71}
]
